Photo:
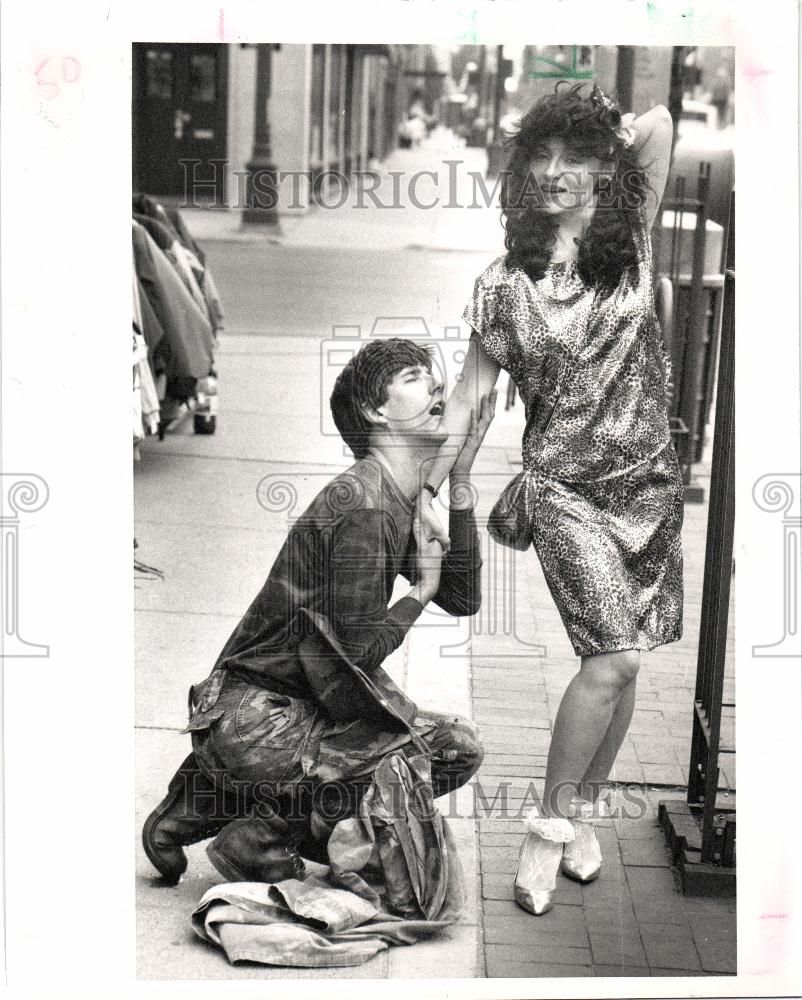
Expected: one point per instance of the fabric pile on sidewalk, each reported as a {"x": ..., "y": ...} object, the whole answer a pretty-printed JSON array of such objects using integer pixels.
[{"x": 394, "y": 877}]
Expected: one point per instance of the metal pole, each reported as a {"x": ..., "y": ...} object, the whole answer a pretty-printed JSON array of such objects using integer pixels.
[
  {"x": 262, "y": 181},
  {"x": 498, "y": 97}
]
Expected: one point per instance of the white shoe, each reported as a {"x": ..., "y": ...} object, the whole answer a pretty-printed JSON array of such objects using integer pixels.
[
  {"x": 582, "y": 859},
  {"x": 539, "y": 861}
]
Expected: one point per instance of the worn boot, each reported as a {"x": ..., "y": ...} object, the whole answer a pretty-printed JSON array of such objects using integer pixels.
[
  {"x": 193, "y": 809},
  {"x": 260, "y": 848}
]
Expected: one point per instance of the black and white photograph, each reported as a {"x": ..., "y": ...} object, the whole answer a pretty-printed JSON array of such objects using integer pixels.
[
  {"x": 434, "y": 509},
  {"x": 411, "y": 613}
]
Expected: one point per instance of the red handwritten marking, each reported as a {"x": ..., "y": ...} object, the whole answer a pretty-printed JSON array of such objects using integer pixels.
[
  {"x": 221, "y": 23},
  {"x": 752, "y": 71},
  {"x": 70, "y": 69},
  {"x": 70, "y": 72},
  {"x": 773, "y": 916}
]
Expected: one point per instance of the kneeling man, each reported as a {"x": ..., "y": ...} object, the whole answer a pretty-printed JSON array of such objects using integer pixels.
[{"x": 297, "y": 713}]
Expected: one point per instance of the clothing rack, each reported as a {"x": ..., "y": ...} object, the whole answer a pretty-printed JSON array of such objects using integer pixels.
[{"x": 177, "y": 317}]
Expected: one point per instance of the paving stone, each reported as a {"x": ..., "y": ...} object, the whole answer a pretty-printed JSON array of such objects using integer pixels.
[
  {"x": 646, "y": 828},
  {"x": 669, "y": 946},
  {"x": 520, "y": 759},
  {"x": 511, "y": 840},
  {"x": 668, "y": 773},
  {"x": 507, "y": 955},
  {"x": 513, "y": 771},
  {"x": 646, "y": 853},
  {"x": 717, "y": 951},
  {"x": 713, "y": 927},
  {"x": 522, "y": 720},
  {"x": 614, "y": 948},
  {"x": 660, "y": 909},
  {"x": 614, "y": 917},
  {"x": 650, "y": 884},
  {"x": 679, "y": 973},
  {"x": 651, "y": 751},
  {"x": 537, "y": 970},
  {"x": 623, "y": 971},
  {"x": 507, "y": 923}
]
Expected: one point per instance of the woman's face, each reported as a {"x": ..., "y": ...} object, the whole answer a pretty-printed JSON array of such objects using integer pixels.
[{"x": 564, "y": 176}]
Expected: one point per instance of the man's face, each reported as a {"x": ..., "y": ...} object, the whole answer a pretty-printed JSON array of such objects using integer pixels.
[{"x": 414, "y": 404}]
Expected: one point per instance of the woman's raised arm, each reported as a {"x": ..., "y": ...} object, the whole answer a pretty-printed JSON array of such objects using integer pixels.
[
  {"x": 653, "y": 147},
  {"x": 479, "y": 375}
]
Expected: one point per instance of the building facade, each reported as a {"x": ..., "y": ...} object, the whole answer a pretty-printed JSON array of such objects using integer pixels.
[{"x": 333, "y": 110}]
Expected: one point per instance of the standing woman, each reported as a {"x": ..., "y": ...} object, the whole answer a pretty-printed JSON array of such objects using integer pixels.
[{"x": 569, "y": 313}]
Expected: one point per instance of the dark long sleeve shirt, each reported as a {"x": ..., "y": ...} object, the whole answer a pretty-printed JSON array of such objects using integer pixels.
[{"x": 341, "y": 559}]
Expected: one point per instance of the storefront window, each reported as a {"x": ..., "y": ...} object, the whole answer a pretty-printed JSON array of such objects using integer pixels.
[
  {"x": 159, "y": 74},
  {"x": 202, "y": 68}
]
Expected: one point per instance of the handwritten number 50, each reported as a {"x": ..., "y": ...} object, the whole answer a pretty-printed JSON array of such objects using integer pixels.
[{"x": 52, "y": 74}]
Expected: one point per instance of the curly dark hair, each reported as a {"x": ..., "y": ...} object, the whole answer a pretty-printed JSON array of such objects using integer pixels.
[
  {"x": 587, "y": 128},
  {"x": 363, "y": 383}
]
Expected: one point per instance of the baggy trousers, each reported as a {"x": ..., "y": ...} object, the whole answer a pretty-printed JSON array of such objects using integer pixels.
[{"x": 282, "y": 753}]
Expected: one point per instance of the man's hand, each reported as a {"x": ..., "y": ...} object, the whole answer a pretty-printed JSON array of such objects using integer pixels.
[
  {"x": 428, "y": 561},
  {"x": 476, "y": 435}
]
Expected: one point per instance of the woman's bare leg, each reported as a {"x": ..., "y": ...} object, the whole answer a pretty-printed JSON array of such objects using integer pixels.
[
  {"x": 598, "y": 771},
  {"x": 585, "y": 715}
]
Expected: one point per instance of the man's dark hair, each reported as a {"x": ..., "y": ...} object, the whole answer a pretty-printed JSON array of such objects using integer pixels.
[{"x": 363, "y": 383}]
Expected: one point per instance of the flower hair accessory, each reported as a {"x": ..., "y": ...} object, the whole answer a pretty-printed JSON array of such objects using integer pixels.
[{"x": 611, "y": 116}]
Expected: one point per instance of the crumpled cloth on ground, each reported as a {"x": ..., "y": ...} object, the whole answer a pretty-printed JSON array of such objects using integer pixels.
[{"x": 394, "y": 877}]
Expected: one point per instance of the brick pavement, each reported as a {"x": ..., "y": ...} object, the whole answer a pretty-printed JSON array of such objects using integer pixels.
[{"x": 632, "y": 921}]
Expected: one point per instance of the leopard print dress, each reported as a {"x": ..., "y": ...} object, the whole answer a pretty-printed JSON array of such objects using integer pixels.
[{"x": 600, "y": 495}]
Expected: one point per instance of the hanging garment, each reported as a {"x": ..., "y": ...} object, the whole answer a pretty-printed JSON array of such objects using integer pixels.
[
  {"x": 171, "y": 227},
  {"x": 190, "y": 341},
  {"x": 147, "y": 386},
  {"x": 207, "y": 282},
  {"x": 394, "y": 877}
]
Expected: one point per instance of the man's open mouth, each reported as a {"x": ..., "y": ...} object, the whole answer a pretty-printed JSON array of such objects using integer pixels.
[{"x": 437, "y": 410}]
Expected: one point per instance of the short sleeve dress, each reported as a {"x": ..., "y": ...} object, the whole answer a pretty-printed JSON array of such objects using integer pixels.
[{"x": 601, "y": 494}]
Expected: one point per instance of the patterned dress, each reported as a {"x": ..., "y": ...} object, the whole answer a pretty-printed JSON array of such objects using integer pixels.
[{"x": 600, "y": 495}]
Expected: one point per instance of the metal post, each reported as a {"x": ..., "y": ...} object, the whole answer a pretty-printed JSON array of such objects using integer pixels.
[
  {"x": 262, "y": 182},
  {"x": 692, "y": 369},
  {"x": 704, "y": 771}
]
